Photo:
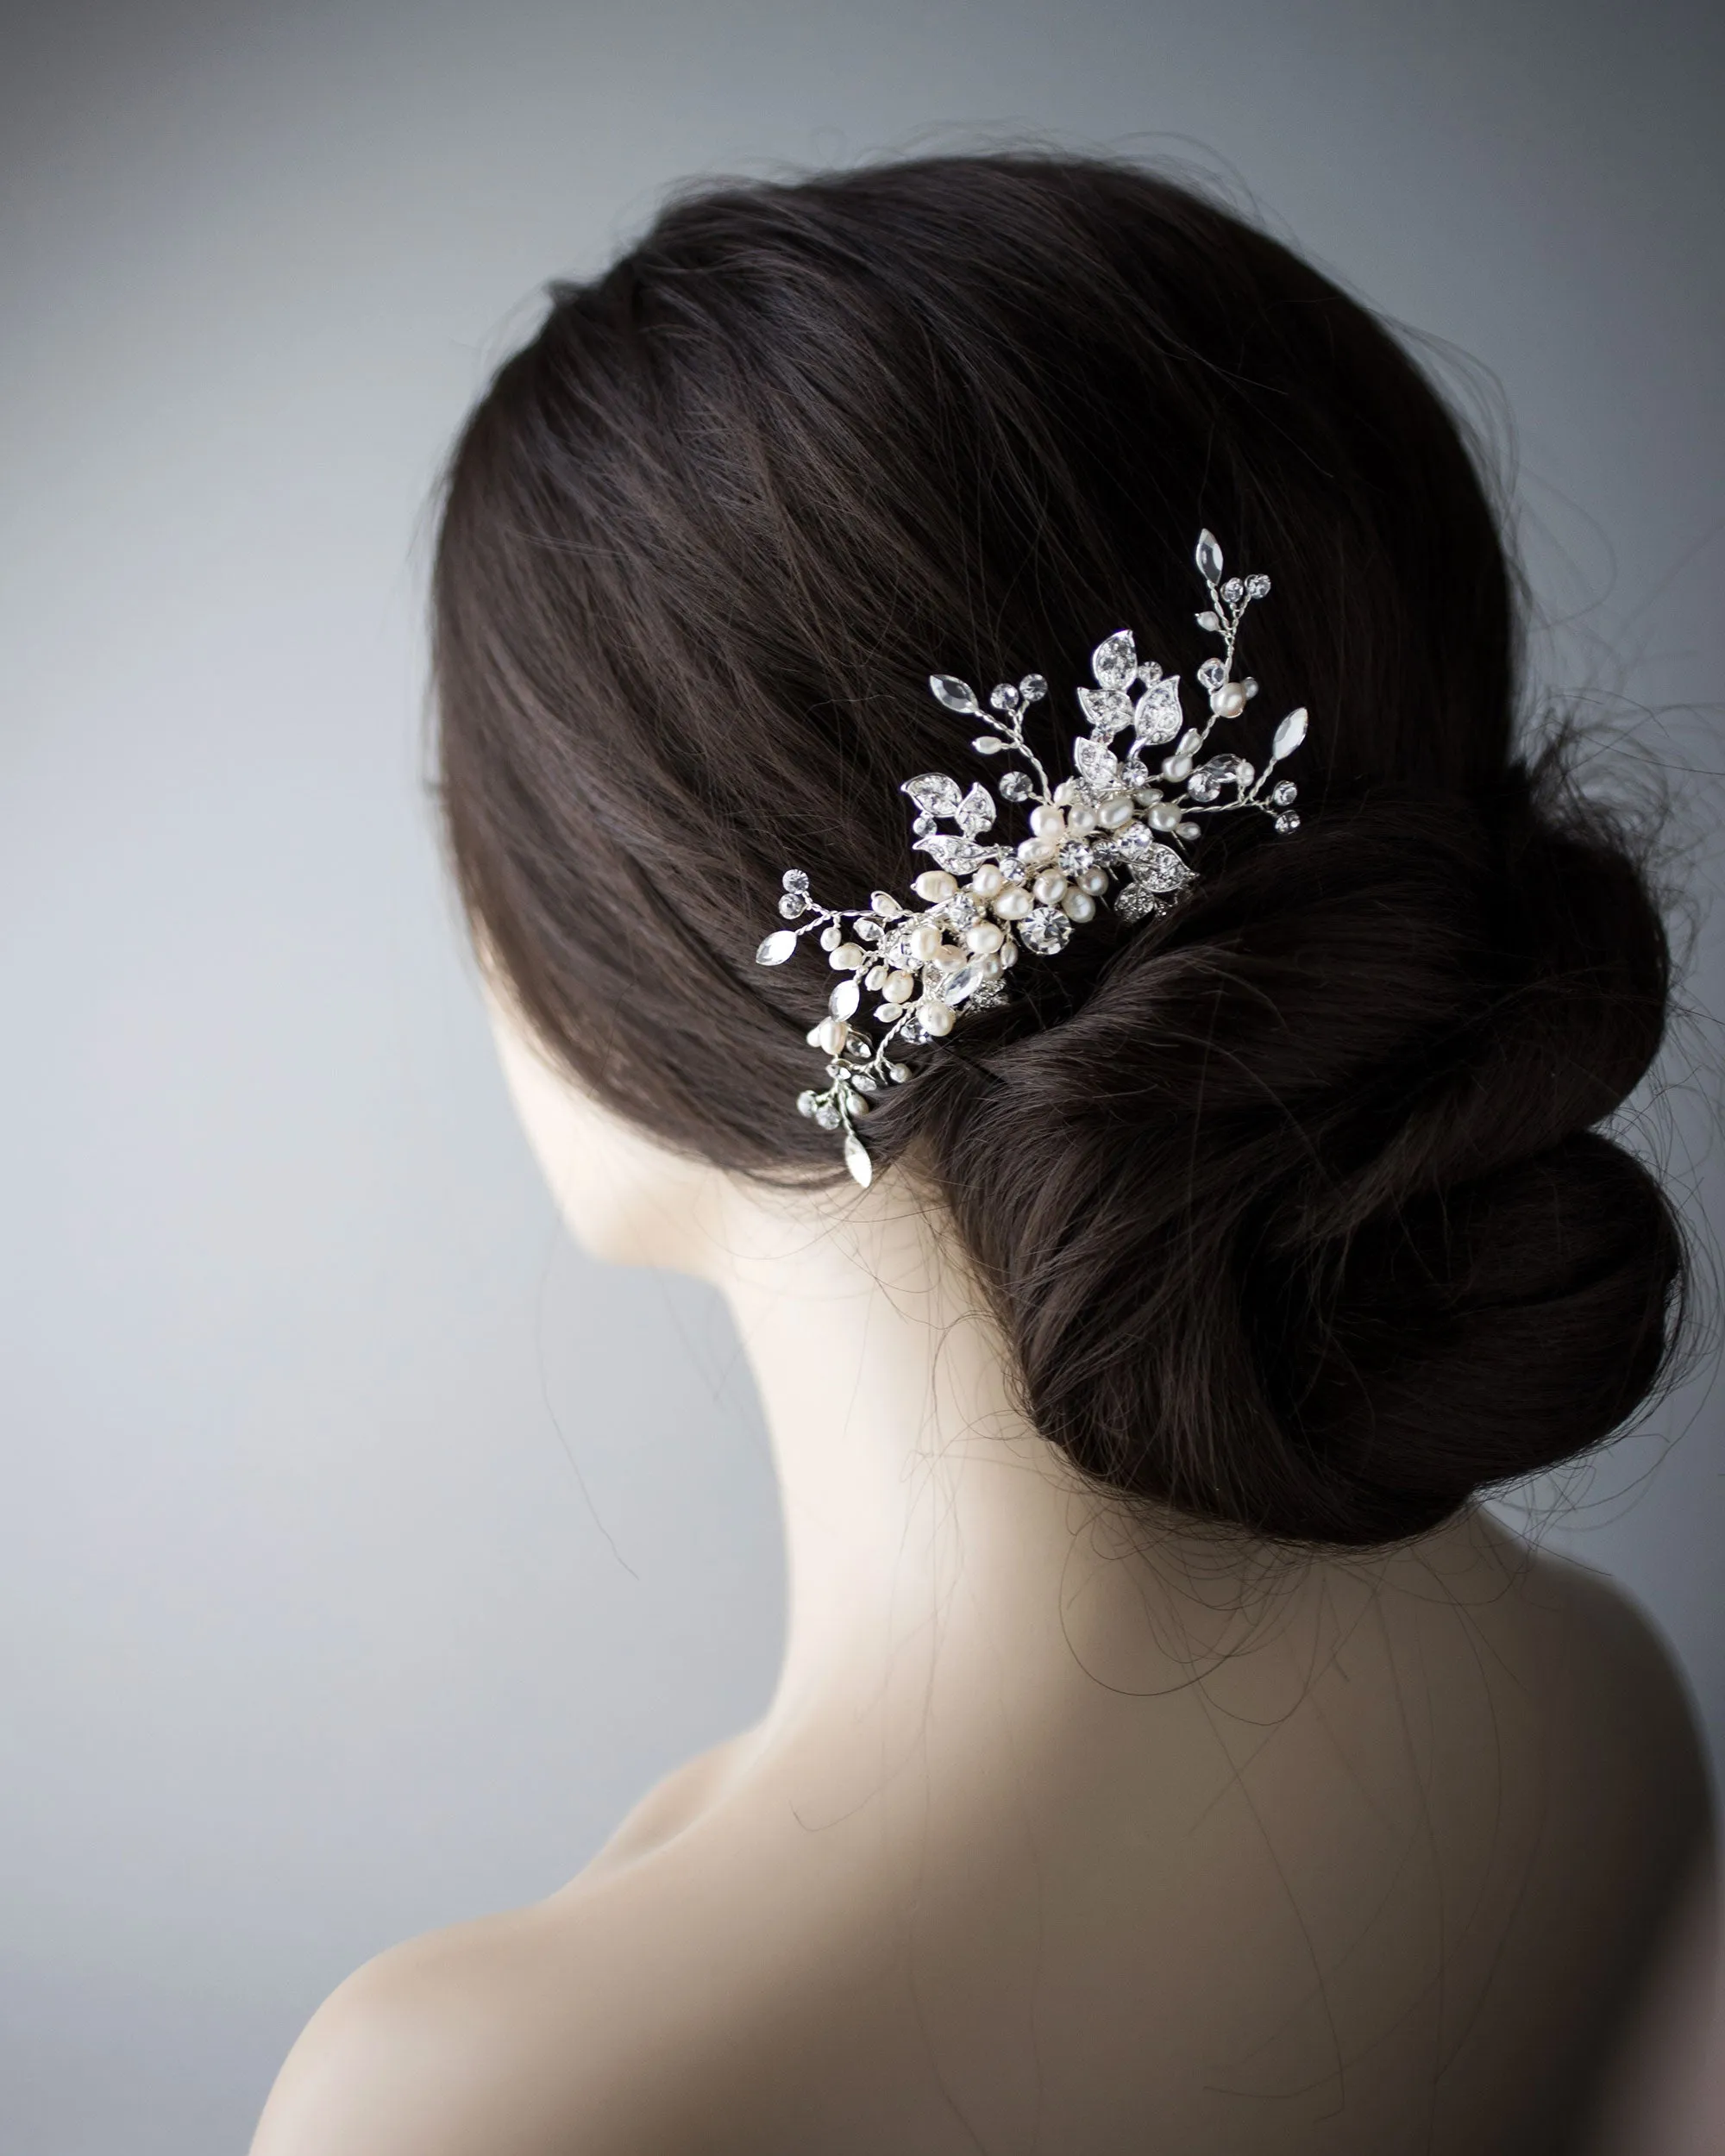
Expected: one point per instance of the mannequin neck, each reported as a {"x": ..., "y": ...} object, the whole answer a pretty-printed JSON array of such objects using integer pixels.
[{"x": 937, "y": 1546}]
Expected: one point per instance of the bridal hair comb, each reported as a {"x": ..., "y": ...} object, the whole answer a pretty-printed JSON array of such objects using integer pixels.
[{"x": 985, "y": 903}]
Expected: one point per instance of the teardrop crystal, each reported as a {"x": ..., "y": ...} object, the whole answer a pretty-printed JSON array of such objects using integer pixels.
[{"x": 857, "y": 1161}]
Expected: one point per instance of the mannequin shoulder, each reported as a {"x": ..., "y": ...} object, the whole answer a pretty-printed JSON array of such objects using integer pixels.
[{"x": 527, "y": 2034}]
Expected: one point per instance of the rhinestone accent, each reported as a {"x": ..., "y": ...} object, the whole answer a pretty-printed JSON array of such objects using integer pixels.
[{"x": 941, "y": 986}]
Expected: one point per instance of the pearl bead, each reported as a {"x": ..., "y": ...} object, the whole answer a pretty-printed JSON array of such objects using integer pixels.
[
  {"x": 1078, "y": 905},
  {"x": 1176, "y": 767},
  {"x": 935, "y": 885},
  {"x": 1008, "y": 954},
  {"x": 936, "y": 1017},
  {"x": 1163, "y": 817},
  {"x": 1013, "y": 903},
  {"x": 1047, "y": 821},
  {"x": 1229, "y": 700},
  {"x": 985, "y": 937},
  {"x": 831, "y": 937},
  {"x": 1067, "y": 792},
  {"x": 1050, "y": 888},
  {"x": 1185, "y": 831},
  {"x": 987, "y": 882},
  {"x": 899, "y": 988},
  {"x": 873, "y": 979},
  {"x": 924, "y": 941},
  {"x": 1094, "y": 882},
  {"x": 1080, "y": 819},
  {"x": 832, "y": 1035},
  {"x": 1035, "y": 852},
  {"x": 847, "y": 958},
  {"x": 991, "y": 967},
  {"x": 1115, "y": 810}
]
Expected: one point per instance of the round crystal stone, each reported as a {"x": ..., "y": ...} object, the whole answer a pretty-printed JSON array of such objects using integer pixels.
[
  {"x": 1287, "y": 821},
  {"x": 1285, "y": 795},
  {"x": 1016, "y": 786},
  {"x": 826, "y": 1114},
  {"x": 1075, "y": 857},
  {"x": 793, "y": 903},
  {"x": 1045, "y": 930}
]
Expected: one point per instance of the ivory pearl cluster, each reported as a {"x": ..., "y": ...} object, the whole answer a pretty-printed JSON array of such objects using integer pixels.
[{"x": 985, "y": 903}]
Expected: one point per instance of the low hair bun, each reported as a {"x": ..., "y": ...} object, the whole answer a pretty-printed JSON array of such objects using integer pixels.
[{"x": 1299, "y": 1219}]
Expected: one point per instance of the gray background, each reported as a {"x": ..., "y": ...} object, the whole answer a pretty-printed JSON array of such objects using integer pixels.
[{"x": 364, "y": 1551}]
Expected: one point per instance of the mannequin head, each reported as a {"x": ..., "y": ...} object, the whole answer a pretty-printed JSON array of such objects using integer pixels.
[{"x": 1289, "y": 1206}]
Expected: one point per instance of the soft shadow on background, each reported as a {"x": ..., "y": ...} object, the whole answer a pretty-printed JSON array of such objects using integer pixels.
[{"x": 364, "y": 1551}]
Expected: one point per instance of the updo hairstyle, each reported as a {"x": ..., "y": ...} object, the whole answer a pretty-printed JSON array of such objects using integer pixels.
[{"x": 1292, "y": 1204}]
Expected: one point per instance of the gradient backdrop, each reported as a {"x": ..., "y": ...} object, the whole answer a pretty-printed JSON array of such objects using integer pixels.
[{"x": 364, "y": 1551}]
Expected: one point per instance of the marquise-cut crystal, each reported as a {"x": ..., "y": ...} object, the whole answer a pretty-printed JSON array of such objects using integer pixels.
[
  {"x": 776, "y": 948},
  {"x": 1208, "y": 557},
  {"x": 962, "y": 981},
  {"x": 844, "y": 1000},
  {"x": 957, "y": 695},
  {"x": 857, "y": 1161},
  {"x": 1289, "y": 735}
]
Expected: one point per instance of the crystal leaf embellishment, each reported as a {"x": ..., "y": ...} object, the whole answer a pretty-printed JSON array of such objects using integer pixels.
[
  {"x": 914, "y": 963},
  {"x": 1114, "y": 661},
  {"x": 934, "y": 794},
  {"x": 1289, "y": 735},
  {"x": 1098, "y": 767},
  {"x": 1158, "y": 716},
  {"x": 1107, "y": 710}
]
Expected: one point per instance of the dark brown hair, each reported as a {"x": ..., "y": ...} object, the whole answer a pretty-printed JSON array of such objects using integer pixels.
[{"x": 1291, "y": 1204}]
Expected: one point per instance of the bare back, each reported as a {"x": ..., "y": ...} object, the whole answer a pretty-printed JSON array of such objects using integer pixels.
[{"x": 1380, "y": 1886}]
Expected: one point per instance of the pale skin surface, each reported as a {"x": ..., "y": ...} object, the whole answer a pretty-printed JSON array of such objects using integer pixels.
[{"x": 1054, "y": 1839}]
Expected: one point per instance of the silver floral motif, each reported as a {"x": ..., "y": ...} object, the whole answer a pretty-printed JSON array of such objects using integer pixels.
[{"x": 1115, "y": 816}]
